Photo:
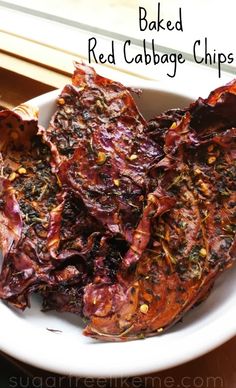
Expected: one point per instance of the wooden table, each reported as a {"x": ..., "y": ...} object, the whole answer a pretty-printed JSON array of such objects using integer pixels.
[
  {"x": 15, "y": 89},
  {"x": 214, "y": 370}
]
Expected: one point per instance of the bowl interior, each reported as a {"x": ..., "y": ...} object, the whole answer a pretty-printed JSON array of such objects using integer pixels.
[{"x": 25, "y": 335}]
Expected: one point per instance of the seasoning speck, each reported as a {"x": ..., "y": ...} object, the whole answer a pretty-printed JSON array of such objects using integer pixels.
[
  {"x": 22, "y": 170},
  {"x": 197, "y": 171},
  {"x": 151, "y": 198},
  {"x": 61, "y": 101},
  {"x": 173, "y": 126},
  {"x": 54, "y": 330},
  {"x": 101, "y": 158},
  {"x": 144, "y": 308},
  {"x": 133, "y": 157},
  {"x": 204, "y": 187},
  {"x": 211, "y": 160},
  {"x": 13, "y": 176},
  {"x": 203, "y": 252}
]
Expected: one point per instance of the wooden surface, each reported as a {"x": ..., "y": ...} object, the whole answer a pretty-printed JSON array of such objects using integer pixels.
[
  {"x": 214, "y": 370},
  {"x": 15, "y": 89}
]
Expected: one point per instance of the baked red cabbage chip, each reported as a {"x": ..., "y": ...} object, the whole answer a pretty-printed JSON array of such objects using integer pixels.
[{"x": 124, "y": 222}]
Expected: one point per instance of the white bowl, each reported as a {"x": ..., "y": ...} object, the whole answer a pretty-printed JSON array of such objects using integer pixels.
[{"x": 24, "y": 335}]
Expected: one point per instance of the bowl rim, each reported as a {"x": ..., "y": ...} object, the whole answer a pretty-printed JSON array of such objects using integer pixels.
[{"x": 22, "y": 350}]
